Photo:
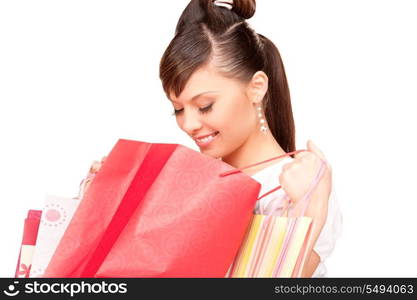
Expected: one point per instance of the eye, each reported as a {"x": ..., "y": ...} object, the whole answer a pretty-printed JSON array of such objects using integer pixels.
[
  {"x": 177, "y": 111},
  {"x": 206, "y": 109},
  {"x": 202, "y": 110}
]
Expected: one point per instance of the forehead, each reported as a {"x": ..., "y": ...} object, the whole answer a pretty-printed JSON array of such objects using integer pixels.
[{"x": 204, "y": 79}]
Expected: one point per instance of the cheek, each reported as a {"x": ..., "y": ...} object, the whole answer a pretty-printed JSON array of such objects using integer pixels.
[
  {"x": 179, "y": 122},
  {"x": 235, "y": 120}
]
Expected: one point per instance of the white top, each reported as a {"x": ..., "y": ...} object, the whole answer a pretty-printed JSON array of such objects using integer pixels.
[{"x": 332, "y": 229}]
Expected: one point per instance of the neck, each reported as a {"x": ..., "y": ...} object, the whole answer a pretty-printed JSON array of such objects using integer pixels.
[{"x": 258, "y": 147}]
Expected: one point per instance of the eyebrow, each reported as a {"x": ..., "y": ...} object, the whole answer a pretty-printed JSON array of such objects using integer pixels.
[{"x": 198, "y": 95}]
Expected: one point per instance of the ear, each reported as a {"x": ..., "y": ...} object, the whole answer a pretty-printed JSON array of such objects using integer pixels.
[{"x": 257, "y": 87}]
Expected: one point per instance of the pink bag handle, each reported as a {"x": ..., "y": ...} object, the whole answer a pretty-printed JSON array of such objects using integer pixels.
[
  {"x": 255, "y": 164},
  {"x": 306, "y": 199}
]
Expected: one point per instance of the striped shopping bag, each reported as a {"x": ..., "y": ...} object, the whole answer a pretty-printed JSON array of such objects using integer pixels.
[{"x": 275, "y": 245}]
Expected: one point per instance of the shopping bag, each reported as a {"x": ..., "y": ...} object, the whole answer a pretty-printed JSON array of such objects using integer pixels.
[
  {"x": 157, "y": 210},
  {"x": 275, "y": 245},
  {"x": 45, "y": 229},
  {"x": 30, "y": 233},
  {"x": 41, "y": 239},
  {"x": 56, "y": 215}
]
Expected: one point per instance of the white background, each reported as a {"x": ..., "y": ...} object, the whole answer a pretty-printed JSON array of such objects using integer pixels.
[{"x": 77, "y": 75}]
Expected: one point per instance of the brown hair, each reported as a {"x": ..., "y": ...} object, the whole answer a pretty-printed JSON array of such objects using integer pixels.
[{"x": 206, "y": 32}]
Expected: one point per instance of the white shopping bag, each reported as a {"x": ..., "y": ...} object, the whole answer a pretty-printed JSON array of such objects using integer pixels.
[{"x": 56, "y": 215}]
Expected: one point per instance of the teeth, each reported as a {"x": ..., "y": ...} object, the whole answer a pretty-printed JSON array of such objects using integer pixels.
[{"x": 206, "y": 139}]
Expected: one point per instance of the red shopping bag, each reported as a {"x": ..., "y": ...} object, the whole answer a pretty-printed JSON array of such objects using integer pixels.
[
  {"x": 30, "y": 233},
  {"x": 157, "y": 210}
]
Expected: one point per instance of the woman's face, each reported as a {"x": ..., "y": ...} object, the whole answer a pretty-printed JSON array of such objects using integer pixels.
[{"x": 212, "y": 104}]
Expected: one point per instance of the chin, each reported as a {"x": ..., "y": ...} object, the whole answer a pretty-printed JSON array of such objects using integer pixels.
[{"x": 211, "y": 153}]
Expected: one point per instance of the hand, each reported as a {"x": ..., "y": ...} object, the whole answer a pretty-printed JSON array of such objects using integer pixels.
[
  {"x": 85, "y": 183},
  {"x": 297, "y": 176},
  {"x": 96, "y": 165}
]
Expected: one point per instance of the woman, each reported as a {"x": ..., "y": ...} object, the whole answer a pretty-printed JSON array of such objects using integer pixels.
[{"x": 229, "y": 91}]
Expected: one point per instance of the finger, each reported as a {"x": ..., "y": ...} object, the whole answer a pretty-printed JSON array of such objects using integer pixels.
[
  {"x": 312, "y": 147},
  {"x": 95, "y": 166},
  {"x": 307, "y": 156}
]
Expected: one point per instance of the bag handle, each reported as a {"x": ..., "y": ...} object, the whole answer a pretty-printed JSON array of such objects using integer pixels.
[
  {"x": 304, "y": 201},
  {"x": 306, "y": 198},
  {"x": 258, "y": 163}
]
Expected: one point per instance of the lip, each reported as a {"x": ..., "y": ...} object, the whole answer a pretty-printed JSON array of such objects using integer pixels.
[
  {"x": 203, "y": 136},
  {"x": 204, "y": 144}
]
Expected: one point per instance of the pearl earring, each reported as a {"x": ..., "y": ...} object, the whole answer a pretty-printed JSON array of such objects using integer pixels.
[{"x": 262, "y": 120}]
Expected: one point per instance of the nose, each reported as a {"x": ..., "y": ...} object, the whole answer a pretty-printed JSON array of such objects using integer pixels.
[{"x": 191, "y": 122}]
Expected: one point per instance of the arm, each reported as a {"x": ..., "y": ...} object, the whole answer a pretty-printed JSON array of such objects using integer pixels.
[
  {"x": 311, "y": 264},
  {"x": 318, "y": 211},
  {"x": 312, "y": 258}
]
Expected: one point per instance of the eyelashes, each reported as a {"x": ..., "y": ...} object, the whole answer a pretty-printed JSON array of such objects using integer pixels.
[{"x": 202, "y": 110}]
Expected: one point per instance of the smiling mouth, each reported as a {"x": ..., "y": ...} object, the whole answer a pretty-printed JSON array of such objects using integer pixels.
[{"x": 207, "y": 140}]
